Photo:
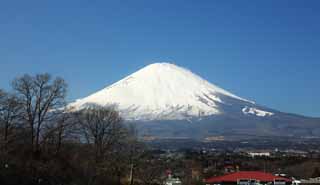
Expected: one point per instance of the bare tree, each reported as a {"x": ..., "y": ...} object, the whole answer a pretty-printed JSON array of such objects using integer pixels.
[
  {"x": 150, "y": 172},
  {"x": 40, "y": 99},
  {"x": 57, "y": 131},
  {"x": 101, "y": 127},
  {"x": 9, "y": 113},
  {"x": 125, "y": 156}
]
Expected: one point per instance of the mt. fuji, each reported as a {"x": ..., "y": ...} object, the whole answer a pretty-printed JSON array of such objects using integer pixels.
[
  {"x": 164, "y": 91},
  {"x": 163, "y": 97}
]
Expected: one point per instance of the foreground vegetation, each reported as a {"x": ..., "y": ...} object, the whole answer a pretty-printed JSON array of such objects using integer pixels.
[{"x": 42, "y": 142}]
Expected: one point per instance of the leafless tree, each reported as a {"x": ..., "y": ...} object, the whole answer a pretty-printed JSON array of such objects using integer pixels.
[
  {"x": 9, "y": 114},
  {"x": 125, "y": 156},
  {"x": 101, "y": 127},
  {"x": 40, "y": 98},
  {"x": 150, "y": 172},
  {"x": 57, "y": 131},
  {"x": 90, "y": 146}
]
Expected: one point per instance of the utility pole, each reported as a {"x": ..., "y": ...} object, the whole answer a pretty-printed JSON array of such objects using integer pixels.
[{"x": 131, "y": 174}]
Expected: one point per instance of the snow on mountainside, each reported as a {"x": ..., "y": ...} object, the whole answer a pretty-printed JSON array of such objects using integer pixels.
[
  {"x": 256, "y": 112},
  {"x": 164, "y": 91}
]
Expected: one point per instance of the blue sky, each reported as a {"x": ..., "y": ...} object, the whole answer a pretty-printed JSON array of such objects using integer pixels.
[{"x": 267, "y": 51}]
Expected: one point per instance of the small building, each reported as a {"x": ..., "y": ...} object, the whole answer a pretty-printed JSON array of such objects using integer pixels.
[
  {"x": 173, "y": 181},
  {"x": 259, "y": 154},
  {"x": 248, "y": 178},
  {"x": 312, "y": 181}
]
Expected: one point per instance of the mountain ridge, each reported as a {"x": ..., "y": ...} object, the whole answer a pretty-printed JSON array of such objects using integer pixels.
[{"x": 165, "y": 100}]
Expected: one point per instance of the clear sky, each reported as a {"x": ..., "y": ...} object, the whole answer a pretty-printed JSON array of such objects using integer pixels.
[{"x": 267, "y": 51}]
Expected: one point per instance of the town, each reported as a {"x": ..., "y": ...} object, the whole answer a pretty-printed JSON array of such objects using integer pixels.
[{"x": 233, "y": 163}]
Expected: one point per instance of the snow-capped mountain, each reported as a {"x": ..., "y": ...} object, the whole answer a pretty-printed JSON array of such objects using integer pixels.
[
  {"x": 165, "y": 100},
  {"x": 164, "y": 91}
]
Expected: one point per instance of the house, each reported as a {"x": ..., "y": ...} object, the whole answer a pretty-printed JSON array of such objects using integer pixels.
[{"x": 248, "y": 178}]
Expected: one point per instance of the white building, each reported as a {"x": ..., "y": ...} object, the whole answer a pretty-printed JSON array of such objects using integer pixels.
[
  {"x": 259, "y": 154},
  {"x": 172, "y": 181}
]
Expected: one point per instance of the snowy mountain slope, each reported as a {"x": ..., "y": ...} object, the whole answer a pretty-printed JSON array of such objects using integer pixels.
[
  {"x": 164, "y": 91},
  {"x": 165, "y": 100}
]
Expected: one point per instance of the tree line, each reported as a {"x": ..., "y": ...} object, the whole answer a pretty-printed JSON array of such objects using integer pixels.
[{"x": 45, "y": 141}]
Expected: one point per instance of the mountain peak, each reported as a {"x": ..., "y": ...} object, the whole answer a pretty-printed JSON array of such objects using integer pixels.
[
  {"x": 162, "y": 91},
  {"x": 163, "y": 67},
  {"x": 161, "y": 64}
]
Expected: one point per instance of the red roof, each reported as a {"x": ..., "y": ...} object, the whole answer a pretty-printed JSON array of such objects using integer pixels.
[{"x": 234, "y": 177}]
